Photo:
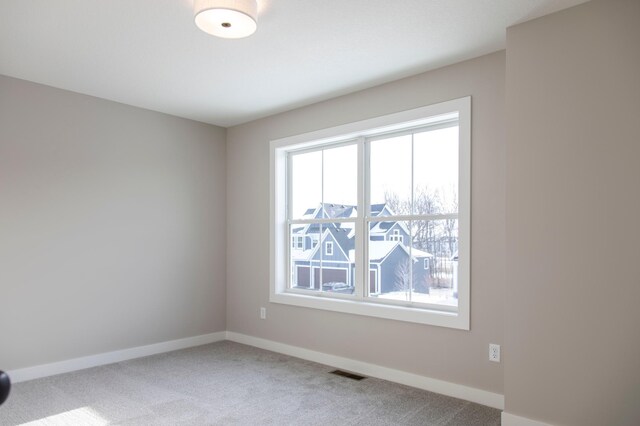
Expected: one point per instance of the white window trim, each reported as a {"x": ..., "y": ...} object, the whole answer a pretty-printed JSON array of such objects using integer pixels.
[{"x": 279, "y": 242}]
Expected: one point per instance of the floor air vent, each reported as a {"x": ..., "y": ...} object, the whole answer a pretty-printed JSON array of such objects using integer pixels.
[{"x": 348, "y": 375}]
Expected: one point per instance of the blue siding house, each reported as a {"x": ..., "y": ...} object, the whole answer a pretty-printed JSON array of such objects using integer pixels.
[{"x": 323, "y": 255}]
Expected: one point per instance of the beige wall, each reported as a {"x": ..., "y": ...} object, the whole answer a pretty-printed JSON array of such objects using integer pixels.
[
  {"x": 112, "y": 226},
  {"x": 572, "y": 313},
  {"x": 452, "y": 355}
]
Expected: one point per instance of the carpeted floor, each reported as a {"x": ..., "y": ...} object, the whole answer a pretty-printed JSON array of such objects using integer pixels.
[{"x": 227, "y": 383}]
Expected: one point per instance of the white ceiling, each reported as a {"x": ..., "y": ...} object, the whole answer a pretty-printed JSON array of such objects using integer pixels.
[{"x": 150, "y": 54}]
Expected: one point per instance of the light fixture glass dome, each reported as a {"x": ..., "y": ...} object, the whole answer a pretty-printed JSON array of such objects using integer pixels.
[{"x": 226, "y": 18}]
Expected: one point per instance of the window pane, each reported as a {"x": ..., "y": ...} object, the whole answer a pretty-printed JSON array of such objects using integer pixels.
[
  {"x": 326, "y": 260},
  {"x": 337, "y": 272},
  {"x": 414, "y": 261},
  {"x": 306, "y": 184},
  {"x": 340, "y": 181},
  {"x": 435, "y": 254},
  {"x": 390, "y": 175},
  {"x": 435, "y": 171}
]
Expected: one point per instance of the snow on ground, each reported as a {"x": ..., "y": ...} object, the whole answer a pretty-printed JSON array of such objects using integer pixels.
[{"x": 436, "y": 296}]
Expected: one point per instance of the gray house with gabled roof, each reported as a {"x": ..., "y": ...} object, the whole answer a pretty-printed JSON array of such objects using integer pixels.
[{"x": 322, "y": 255}]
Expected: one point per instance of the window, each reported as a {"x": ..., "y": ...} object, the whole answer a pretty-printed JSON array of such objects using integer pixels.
[
  {"x": 395, "y": 236},
  {"x": 329, "y": 249},
  {"x": 389, "y": 200},
  {"x": 297, "y": 242}
]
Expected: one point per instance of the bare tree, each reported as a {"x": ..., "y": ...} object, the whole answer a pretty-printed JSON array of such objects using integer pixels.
[
  {"x": 450, "y": 205},
  {"x": 402, "y": 281},
  {"x": 425, "y": 201},
  {"x": 396, "y": 205},
  {"x": 403, "y": 271}
]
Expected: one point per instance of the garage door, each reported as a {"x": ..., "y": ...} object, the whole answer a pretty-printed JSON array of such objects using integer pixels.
[{"x": 330, "y": 275}]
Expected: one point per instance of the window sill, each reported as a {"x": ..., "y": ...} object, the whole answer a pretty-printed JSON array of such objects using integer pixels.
[{"x": 379, "y": 310}]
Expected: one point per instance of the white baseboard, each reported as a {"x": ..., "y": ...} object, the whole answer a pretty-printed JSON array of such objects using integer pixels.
[
  {"x": 513, "y": 420},
  {"x": 36, "y": 372},
  {"x": 421, "y": 382}
]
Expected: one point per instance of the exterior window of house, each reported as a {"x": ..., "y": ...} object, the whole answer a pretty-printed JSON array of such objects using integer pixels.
[
  {"x": 406, "y": 176},
  {"x": 297, "y": 242}
]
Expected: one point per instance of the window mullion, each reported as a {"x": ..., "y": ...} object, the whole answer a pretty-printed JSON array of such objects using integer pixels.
[
  {"x": 406, "y": 217},
  {"x": 411, "y": 221},
  {"x": 288, "y": 214},
  {"x": 321, "y": 248},
  {"x": 360, "y": 244},
  {"x": 329, "y": 220}
]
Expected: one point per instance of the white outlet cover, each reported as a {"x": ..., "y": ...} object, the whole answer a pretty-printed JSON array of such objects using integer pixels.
[{"x": 494, "y": 352}]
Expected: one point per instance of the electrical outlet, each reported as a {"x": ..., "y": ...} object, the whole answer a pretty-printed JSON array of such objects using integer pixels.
[
  {"x": 494, "y": 352},
  {"x": 263, "y": 313}
]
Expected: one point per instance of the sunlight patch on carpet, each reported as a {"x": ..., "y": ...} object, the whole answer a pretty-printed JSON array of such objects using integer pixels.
[{"x": 85, "y": 416}]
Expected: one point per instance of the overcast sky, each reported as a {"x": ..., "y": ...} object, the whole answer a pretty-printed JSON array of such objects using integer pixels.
[{"x": 435, "y": 165}]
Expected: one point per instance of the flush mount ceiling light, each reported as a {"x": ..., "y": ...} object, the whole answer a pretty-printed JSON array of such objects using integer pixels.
[{"x": 226, "y": 18}]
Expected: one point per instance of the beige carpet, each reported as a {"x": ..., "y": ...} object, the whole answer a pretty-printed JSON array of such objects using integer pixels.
[{"x": 227, "y": 383}]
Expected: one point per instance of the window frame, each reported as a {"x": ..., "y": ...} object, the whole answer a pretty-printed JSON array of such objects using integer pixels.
[{"x": 431, "y": 115}]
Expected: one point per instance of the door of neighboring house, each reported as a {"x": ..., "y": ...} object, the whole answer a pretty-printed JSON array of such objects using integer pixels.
[
  {"x": 373, "y": 281},
  {"x": 304, "y": 276}
]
